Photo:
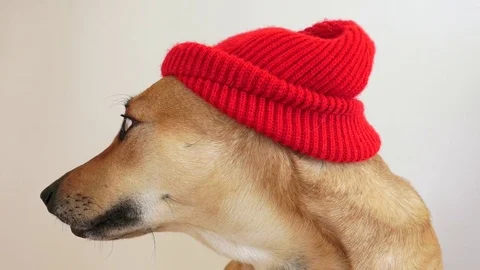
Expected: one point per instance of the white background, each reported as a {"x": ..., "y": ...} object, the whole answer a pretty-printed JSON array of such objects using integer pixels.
[{"x": 63, "y": 64}]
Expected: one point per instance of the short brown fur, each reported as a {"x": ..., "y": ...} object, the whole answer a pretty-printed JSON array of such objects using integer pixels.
[{"x": 247, "y": 197}]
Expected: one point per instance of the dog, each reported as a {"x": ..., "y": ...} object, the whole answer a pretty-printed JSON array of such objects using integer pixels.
[{"x": 179, "y": 165}]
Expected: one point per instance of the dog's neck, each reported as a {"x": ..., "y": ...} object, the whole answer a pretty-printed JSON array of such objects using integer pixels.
[
  {"x": 294, "y": 239},
  {"x": 324, "y": 212},
  {"x": 335, "y": 205}
]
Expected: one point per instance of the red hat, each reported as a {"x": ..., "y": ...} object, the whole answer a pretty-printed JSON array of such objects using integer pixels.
[{"x": 297, "y": 88}]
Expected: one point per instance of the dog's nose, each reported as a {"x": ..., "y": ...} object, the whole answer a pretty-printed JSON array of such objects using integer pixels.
[{"x": 48, "y": 195}]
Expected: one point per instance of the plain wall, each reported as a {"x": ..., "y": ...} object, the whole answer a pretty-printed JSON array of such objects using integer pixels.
[{"x": 64, "y": 66}]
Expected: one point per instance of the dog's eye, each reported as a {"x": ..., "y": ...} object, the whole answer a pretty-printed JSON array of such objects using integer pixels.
[{"x": 127, "y": 124}]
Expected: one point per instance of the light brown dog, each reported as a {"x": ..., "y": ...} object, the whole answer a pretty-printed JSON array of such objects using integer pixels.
[{"x": 180, "y": 165}]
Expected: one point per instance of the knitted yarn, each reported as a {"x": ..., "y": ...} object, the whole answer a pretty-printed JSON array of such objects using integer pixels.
[{"x": 297, "y": 87}]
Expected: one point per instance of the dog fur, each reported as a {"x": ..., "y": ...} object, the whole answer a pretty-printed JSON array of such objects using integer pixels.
[{"x": 185, "y": 167}]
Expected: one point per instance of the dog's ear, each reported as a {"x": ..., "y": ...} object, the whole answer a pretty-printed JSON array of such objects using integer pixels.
[{"x": 233, "y": 265}]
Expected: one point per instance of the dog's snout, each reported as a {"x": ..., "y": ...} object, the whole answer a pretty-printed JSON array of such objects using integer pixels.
[{"x": 49, "y": 193}]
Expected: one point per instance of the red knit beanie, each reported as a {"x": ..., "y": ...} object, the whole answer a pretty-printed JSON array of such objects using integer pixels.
[{"x": 297, "y": 88}]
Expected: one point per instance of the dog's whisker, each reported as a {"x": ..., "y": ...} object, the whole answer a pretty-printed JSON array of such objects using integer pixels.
[
  {"x": 101, "y": 247},
  {"x": 111, "y": 249},
  {"x": 165, "y": 199},
  {"x": 178, "y": 202},
  {"x": 121, "y": 101},
  {"x": 97, "y": 246},
  {"x": 171, "y": 209},
  {"x": 154, "y": 254},
  {"x": 118, "y": 102},
  {"x": 116, "y": 95},
  {"x": 191, "y": 144}
]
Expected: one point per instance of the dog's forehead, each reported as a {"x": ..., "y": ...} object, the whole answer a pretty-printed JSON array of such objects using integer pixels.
[
  {"x": 169, "y": 99},
  {"x": 149, "y": 103}
]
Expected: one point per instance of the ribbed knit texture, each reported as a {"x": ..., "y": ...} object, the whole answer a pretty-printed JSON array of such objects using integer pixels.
[{"x": 298, "y": 88}]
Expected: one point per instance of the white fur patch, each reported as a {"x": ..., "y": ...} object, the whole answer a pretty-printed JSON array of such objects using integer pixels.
[
  {"x": 152, "y": 207},
  {"x": 232, "y": 250}
]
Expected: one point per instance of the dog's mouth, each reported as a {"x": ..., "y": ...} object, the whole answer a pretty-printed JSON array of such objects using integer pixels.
[{"x": 120, "y": 221}]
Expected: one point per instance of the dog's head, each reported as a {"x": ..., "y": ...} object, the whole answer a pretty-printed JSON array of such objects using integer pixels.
[{"x": 177, "y": 164}]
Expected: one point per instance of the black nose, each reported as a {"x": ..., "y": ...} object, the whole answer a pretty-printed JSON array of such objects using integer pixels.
[{"x": 48, "y": 195}]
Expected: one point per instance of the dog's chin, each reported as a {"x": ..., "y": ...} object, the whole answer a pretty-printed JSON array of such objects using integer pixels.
[{"x": 107, "y": 235}]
